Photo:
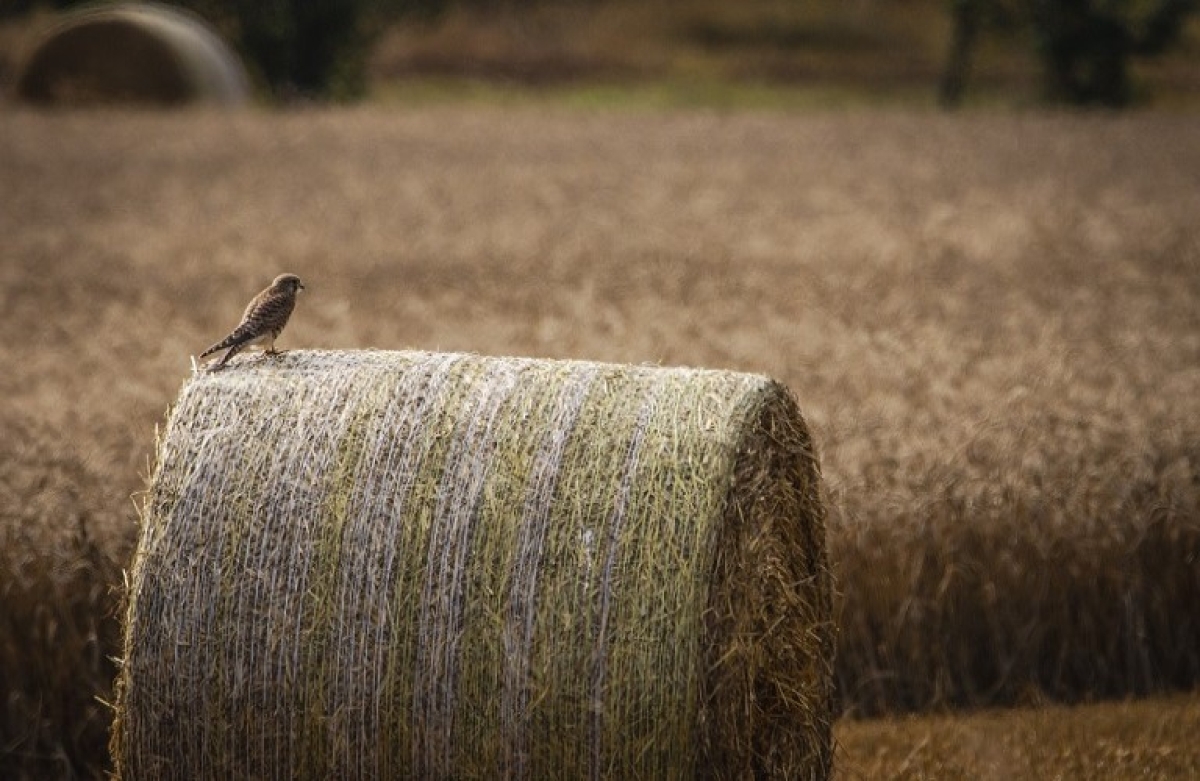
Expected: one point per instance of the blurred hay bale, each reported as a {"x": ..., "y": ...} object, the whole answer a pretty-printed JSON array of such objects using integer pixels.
[
  {"x": 422, "y": 565},
  {"x": 132, "y": 53}
]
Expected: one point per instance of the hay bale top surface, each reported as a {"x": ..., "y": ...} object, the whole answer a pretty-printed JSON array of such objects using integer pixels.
[
  {"x": 379, "y": 564},
  {"x": 132, "y": 53}
]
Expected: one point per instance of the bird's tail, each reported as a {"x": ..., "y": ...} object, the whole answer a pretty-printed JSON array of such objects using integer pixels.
[
  {"x": 218, "y": 346},
  {"x": 234, "y": 349},
  {"x": 234, "y": 338}
]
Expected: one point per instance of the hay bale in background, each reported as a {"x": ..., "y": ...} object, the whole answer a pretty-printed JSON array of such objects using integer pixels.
[
  {"x": 139, "y": 53},
  {"x": 379, "y": 564}
]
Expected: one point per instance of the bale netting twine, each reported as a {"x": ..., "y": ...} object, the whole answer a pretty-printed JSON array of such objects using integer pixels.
[
  {"x": 430, "y": 565},
  {"x": 132, "y": 53}
]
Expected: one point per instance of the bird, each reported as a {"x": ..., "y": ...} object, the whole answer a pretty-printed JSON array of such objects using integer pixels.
[{"x": 263, "y": 320}]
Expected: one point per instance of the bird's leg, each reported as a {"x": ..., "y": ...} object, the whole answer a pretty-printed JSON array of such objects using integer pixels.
[{"x": 269, "y": 349}]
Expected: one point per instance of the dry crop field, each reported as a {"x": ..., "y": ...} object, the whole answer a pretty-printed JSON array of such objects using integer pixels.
[{"x": 991, "y": 323}]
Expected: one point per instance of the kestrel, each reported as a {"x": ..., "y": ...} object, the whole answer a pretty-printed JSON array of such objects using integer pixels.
[{"x": 262, "y": 321}]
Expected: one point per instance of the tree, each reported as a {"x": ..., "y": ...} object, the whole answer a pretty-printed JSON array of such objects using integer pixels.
[
  {"x": 1084, "y": 45},
  {"x": 962, "y": 47},
  {"x": 313, "y": 48}
]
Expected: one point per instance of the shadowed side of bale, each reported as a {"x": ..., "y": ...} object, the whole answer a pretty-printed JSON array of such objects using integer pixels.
[
  {"x": 135, "y": 53},
  {"x": 770, "y": 640},
  {"x": 376, "y": 565}
]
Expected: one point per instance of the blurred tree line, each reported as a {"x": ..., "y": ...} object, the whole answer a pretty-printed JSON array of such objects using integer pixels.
[
  {"x": 1084, "y": 46},
  {"x": 320, "y": 48}
]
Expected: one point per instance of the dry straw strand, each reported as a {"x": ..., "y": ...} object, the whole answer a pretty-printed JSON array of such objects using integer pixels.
[{"x": 404, "y": 564}]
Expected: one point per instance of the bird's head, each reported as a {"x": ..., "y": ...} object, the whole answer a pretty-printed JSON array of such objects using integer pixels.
[{"x": 289, "y": 282}]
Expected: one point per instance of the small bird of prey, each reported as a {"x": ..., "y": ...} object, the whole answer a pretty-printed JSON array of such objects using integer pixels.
[{"x": 262, "y": 321}]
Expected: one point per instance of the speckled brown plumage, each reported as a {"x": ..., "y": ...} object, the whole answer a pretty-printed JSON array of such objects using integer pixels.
[{"x": 262, "y": 321}]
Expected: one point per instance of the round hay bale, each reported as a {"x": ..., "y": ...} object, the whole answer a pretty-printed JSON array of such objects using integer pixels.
[
  {"x": 132, "y": 53},
  {"x": 423, "y": 565}
]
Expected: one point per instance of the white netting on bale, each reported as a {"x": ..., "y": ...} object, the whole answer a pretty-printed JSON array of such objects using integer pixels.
[
  {"x": 425, "y": 565},
  {"x": 132, "y": 53}
]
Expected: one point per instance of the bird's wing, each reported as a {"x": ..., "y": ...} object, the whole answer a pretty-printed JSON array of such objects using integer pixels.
[
  {"x": 255, "y": 303},
  {"x": 268, "y": 311}
]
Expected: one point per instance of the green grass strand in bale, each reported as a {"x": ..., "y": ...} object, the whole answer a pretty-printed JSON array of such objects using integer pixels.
[{"x": 375, "y": 565}]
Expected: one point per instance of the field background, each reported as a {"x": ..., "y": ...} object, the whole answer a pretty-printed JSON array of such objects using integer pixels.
[
  {"x": 990, "y": 320},
  {"x": 753, "y": 53}
]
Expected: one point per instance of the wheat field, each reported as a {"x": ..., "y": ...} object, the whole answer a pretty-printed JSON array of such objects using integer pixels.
[{"x": 990, "y": 322}]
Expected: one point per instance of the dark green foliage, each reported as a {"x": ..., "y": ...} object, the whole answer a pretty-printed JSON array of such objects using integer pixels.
[
  {"x": 312, "y": 47},
  {"x": 299, "y": 48},
  {"x": 1085, "y": 46},
  {"x": 14, "y": 8},
  {"x": 309, "y": 48}
]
